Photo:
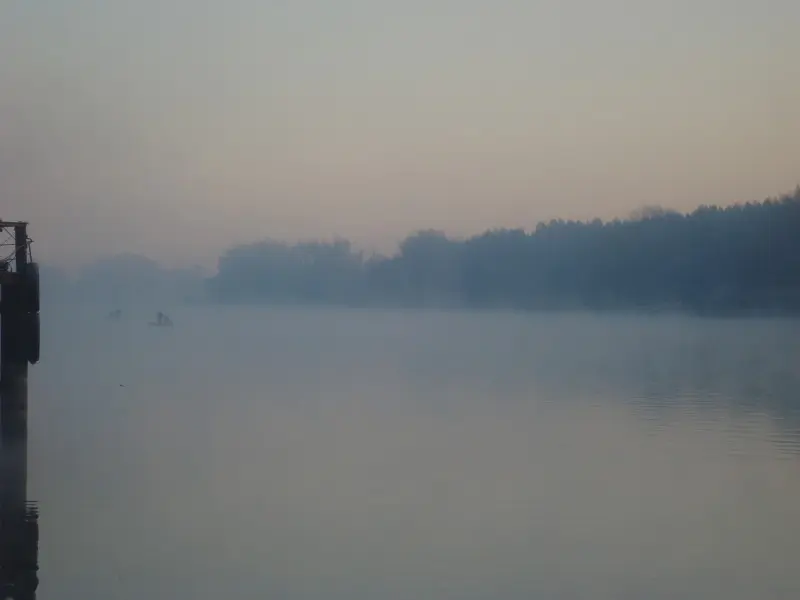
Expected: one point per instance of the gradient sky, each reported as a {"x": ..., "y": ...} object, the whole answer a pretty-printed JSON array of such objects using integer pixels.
[{"x": 175, "y": 128}]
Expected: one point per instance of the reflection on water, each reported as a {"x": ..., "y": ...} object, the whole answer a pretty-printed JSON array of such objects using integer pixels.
[
  {"x": 355, "y": 454},
  {"x": 19, "y": 527}
]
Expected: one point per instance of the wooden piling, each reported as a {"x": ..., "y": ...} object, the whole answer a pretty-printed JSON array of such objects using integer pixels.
[{"x": 19, "y": 533}]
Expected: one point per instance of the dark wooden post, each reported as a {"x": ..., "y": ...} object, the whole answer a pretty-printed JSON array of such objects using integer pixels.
[{"x": 19, "y": 534}]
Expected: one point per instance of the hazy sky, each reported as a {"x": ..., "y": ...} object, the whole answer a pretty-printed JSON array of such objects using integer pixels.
[{"x": 175, "y": 128}]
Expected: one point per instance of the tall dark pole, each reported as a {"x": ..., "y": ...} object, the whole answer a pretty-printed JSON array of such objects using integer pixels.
[{"x": 19, "y": 534}]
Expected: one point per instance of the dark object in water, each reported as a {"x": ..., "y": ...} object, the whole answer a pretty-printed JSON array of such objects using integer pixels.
[
  {"x": 162, "y": 320},
  {"x": 115, "y": 314}
]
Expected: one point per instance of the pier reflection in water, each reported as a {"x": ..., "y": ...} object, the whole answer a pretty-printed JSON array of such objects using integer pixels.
[{"x": 19, "y": 528}]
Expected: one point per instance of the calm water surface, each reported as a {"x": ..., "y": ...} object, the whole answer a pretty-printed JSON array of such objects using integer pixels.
[{"x": 334, "y": 454}]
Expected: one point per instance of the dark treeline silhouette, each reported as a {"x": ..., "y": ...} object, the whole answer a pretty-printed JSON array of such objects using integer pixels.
[{"x": 740, "y": 258}]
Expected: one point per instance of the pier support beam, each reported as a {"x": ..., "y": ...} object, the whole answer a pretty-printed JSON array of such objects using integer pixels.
[{"x": 19, "y": 533}]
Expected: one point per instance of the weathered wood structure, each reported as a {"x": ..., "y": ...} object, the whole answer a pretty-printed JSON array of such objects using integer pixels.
[{"x": 19, "y": 347}]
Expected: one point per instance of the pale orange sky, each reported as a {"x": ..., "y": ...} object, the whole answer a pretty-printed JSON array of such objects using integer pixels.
[{"x": 175, "y": 128}]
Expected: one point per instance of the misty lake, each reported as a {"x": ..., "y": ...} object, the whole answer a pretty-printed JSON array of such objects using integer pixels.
[{"x": 252, "y": 453}]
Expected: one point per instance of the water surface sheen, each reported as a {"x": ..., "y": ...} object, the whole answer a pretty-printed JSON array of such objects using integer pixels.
[{"x": 343, "y": 454}]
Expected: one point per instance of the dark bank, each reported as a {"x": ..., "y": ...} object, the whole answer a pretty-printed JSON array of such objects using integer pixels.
[{"x": 733, "y": 261}]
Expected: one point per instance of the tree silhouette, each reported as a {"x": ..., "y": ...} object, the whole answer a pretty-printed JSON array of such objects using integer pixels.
[{"x": 739, "y": 258}]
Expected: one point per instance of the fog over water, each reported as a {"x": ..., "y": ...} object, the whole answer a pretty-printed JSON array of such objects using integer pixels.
[
  {"x": 322, "y": 453},
  {"x": 489, "y": 165}
]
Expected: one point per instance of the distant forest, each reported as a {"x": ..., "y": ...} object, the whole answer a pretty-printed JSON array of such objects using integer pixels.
[{"x": 742, "y": 258}]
